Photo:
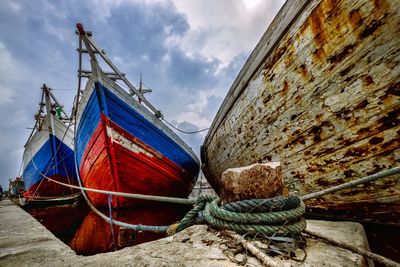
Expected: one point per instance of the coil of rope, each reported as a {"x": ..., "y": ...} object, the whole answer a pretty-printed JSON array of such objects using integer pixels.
[{"x": 278, "y": 216}]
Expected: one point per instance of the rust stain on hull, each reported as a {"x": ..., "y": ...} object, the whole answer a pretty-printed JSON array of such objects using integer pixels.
[{"x": 326, "y": 103}]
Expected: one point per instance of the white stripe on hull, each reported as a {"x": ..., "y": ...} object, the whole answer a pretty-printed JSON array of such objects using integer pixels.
[{"x": 122, "y": 141}]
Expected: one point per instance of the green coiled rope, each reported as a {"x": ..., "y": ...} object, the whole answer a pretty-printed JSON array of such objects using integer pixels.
[
  {"x": 275, "y": 217},
  {"x": 245, "y": 216},
  {"x": 284, "y": 229},
  {"x": 263, "y": 205}
]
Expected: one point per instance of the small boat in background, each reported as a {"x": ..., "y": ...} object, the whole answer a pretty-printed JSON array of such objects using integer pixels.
[
  {"x": 121, "y": 142},
  {"x": 16, "y": 187},
  {"x": 49, "y": 153},
  {"x": 321, "y": 94}
]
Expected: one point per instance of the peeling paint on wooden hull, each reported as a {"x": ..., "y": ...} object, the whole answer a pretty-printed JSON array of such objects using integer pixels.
[
  {"x": 321, "y": 94},
  {"x": 121, "y": 149}
]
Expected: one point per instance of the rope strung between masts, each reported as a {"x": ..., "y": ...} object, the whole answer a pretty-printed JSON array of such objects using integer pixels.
[{"x": 185, "y": 132}]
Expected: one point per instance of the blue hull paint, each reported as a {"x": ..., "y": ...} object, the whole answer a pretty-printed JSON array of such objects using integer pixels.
[
  {"x": 88, "y": 123},
  {"x": 43, "y": 163},
  {"x": 103, "y": 100}
]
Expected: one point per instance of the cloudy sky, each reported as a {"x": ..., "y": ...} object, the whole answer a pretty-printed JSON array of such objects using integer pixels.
[{"x": 189, "y": 52}]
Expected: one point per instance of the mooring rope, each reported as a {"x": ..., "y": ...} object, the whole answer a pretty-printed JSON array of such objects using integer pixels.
[
  {"x": 282, "y": 221},
  {"x": 233, "y": 216},
  {"x": 262, "y": 205},
  {"x": 282, "y": 228},
  {"x": 256, "y": 204},
  {"x": 353, "y": 183},
  {"x": 294, "y": 205},
  {"x": 174, "y": 200},
  {"x": 111, "y": 219},
  {"x": 268, "y": 217}
]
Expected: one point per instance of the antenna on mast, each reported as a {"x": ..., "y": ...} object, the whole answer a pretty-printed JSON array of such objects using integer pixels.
[{"x": 141, "y": 89}]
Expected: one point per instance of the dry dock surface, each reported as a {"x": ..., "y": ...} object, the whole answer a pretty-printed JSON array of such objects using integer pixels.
[{"x": 25, "y": 242}]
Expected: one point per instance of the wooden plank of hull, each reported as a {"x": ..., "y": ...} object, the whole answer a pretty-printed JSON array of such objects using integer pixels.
[
  {"x": 95, "y": 168},
  {"x": 325, "y": 102}
]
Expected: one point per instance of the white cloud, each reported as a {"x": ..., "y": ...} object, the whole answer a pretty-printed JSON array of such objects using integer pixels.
[
  {"x": 16, "y": 7},
  {"x": 219, "y": 30},
  {"x": 251, "y": 3},
  {"x": 223, "y": 29},
  {"x": 8, "y": 75},
  {"x": 101, "y": 9}
]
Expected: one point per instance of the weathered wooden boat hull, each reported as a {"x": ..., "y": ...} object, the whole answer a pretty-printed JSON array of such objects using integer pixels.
[
  {"x": 50, "y": 155},
  {"x": 321, "y": 94},
  {"x": 121, "y": 148}
]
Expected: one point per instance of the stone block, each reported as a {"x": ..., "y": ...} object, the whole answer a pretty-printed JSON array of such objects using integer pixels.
[{"x": 260, "y": 180}]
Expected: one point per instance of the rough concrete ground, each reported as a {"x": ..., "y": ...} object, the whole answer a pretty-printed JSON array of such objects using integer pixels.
[{"x": 25, "y": 242}]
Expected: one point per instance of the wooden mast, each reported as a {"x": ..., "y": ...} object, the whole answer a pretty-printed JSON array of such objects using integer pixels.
[{"x": 51, "y": 129}]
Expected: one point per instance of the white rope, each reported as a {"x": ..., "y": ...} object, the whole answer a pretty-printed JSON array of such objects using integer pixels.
[
  {"x": 182, "y": 131},
  {"x": 174, "y": 200},
  {"x": 33, "y": 197}
]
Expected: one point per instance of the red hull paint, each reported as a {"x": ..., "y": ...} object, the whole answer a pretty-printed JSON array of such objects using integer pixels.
[
  {"x": 47, "y": 188},
  {"x": 108, "y": 165}
]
